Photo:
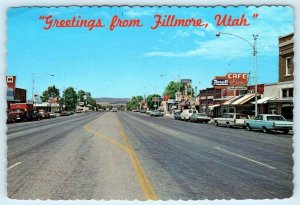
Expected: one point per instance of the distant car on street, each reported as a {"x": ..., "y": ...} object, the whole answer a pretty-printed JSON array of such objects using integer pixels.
[
  {"x": 37, "y": 115},
  {"x": 44, "y": 114},
  {"x": 114, "y": 110},
  {"x": 156, "y": 113},
  {"x": 186, "y": 113},
  {"x": 231, "y": 120},
  {"x": 268, "y": 122},
  {"x": 177, "y": 115},
  {"x": 52, "y": 115},
  {"x": 64, "y": 113},
  {"x": 148, "y": 112},
  {"x": 199, "y": 117}
]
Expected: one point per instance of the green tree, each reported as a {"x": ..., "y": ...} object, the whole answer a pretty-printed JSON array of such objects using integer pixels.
[
  {"x": 134, "y": 103},
  {"x": 70, "y": 98},
  {"x": 150, "y": 103},
  {"x": 173, "y": 87},
  {"x": 80, "y": 95},
  {"x": 90, "y": 100},
  {"x": 51, "y": 92}
]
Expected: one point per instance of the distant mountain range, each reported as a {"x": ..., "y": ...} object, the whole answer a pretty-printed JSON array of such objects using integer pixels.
[{"x": 108, "y": 101}]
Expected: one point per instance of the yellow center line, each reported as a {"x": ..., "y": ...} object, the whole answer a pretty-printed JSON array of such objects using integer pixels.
[
  {"x": 145, "y": 183},
  {"x": 114, "y": 142}
]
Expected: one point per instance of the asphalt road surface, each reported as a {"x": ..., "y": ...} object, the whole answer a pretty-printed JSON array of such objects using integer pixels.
[{"x": 128, "y": 155}]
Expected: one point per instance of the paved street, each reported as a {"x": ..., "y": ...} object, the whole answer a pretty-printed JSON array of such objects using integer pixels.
[{"x": 128, "y": 155}]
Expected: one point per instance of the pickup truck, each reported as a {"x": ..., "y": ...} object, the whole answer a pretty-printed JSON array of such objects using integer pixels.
[
  {"x": 267, "y": 122},
  {"x": 20, "y": 112},
  {"x": 231, "y": 120}
]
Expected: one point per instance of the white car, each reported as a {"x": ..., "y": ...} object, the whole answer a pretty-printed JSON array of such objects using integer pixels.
[
  {"x": 186, "y": 113},
  {"x": 231, "y": 120}
]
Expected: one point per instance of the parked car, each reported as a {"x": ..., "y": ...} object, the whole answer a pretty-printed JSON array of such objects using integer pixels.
[
  {"x": 267, "y": 122},
  {"x": 52, "y": 115},
  {"x": 231, "y": 120},
  {"x": 177, "y": 115},
  {"x": 199, "y": 117},
  {"x": 17, "y": 115},
  {"x": 20, "y": 112},
  {"x": 37, "y": 115},
  {"x": 114, "y": 109},
  {"x": 143, "y": 111},
  {"x": 64, "y": 113},
  {"x": 11, "y": 118},
  {"x": 186, "y": 113},
  {"x": 148, "y": 112},
  {"x": 44, "y": 114},
  {"x": 156, "y": 113}
]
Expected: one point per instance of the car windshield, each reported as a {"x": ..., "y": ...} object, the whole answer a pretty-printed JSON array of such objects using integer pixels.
[{"x": 276, "y": 118}]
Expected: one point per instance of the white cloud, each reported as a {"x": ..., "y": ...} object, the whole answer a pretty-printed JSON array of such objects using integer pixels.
[
  {"x": 190, "y": 53},
  {"x": 181, "y": 34},
  {"x": 199, "y": 33},
  {"x": 138, "y": 12},
  {"x": 271, "y": 23}
]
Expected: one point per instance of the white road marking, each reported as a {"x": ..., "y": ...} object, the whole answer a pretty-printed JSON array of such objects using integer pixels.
[
  {"x": 15, "y": 133},
  {"x": 14, "y": 165},
  {"x": 169, "y": 130},
  {"x": 252, "y": 160}
]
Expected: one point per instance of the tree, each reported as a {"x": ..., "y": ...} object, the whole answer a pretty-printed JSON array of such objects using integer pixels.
[
  {"x": 173, "y": 87},
  {"x": 150, "y": 103},
  {"x": 89, "y": 100},
  {"x": 80, "y": 95},
  {"x": 51, "y": 92},
  {"x": 134, "y": 103},
  {"x": 70, "y": 98}
]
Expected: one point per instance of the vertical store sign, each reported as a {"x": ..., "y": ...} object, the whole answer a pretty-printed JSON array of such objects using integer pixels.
[{"x": 11, "y": 84}]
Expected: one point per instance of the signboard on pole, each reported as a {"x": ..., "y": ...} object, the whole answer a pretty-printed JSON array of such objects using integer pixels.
[
  {"x": 232, "y": 81},
  {"x": 220, "y": 82},
  {"x": 237, "y": 79},
  {"x": 11, "y": 81},
  {"x": 186, "y": 80},
  {"x": 155, "y": 99}
]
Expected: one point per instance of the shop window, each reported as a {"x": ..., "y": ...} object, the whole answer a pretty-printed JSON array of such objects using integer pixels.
[
  {"x": 288, "y": 66},
  {"x": 288, "y": 93},
  {"x": 231, "y": 109}
]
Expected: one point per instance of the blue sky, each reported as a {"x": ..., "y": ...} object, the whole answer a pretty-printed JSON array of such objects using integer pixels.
[{"x": 130, "y": 61}]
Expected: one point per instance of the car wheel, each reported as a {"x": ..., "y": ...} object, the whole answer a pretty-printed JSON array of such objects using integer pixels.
[
  {"x": 265, "y": 130},
  {"x": 216, "y": 123},
  {"x": 286, "y": 131},
  {"x": 228, "y": 125},
  {"x": 248, "y": 127}
]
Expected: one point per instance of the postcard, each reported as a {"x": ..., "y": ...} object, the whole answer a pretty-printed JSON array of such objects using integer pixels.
[{"x": 150, "y": 102}]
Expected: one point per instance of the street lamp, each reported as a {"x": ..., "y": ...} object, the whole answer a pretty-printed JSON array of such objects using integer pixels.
[
  {"x": 218, "y": 34},
  {"x": 33, "y": 78}
]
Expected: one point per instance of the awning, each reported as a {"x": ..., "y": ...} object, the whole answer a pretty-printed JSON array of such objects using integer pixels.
[
  {"x": 243, "y": 99},
  {"x": 282, "y": 100},
  {"x": 222, "y": 99},
  {"x": 228, "y": 102},
  {"x": 264, "y": 100},
  {"x": 211, "y": 107}
]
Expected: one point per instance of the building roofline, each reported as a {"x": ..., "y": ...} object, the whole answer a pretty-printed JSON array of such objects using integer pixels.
[{"x": 289, "y": 34}]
